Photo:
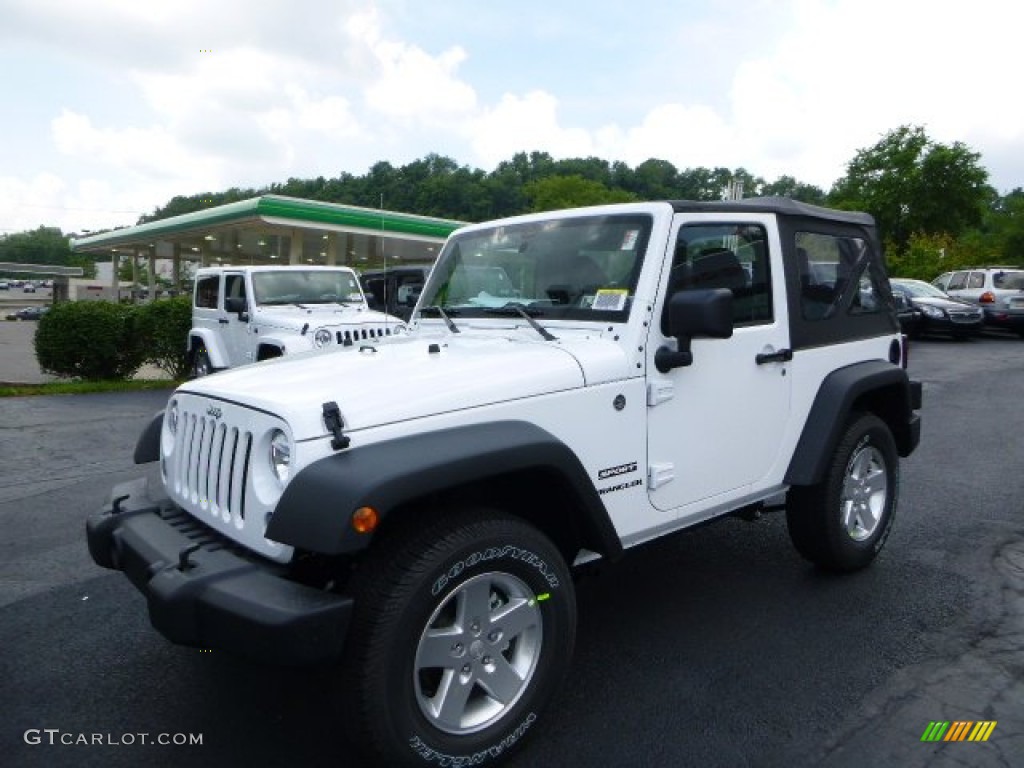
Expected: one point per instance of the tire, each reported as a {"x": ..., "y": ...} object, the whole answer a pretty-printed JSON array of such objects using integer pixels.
[
  {"x": 842, "y": 522},
  {"x": 434, "y": 673},
  {"x": 201, "y": 363}
]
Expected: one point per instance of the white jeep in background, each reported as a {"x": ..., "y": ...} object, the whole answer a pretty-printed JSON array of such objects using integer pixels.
[{"x": 242, "y": 315}]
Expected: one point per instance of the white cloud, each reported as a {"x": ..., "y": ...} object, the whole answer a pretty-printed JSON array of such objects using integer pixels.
[
  {"x": 144, "y": 151},
  {"x": 406, "y": 81},
  {"x": 307, "y": 89},
  {"x": 527, "y": 123},
  {"x": 686, "y": 136}
]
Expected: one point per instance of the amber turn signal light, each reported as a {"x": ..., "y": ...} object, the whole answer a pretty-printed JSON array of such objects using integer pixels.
[{"x": 365, "y": 519}]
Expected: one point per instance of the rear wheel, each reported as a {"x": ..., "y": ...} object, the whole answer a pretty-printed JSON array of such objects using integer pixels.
[
  {"x": 462, "y": 633},
  {"x": 842, "y": 522}
]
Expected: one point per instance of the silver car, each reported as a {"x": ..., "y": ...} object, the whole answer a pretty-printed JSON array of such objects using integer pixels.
[{"x": 999, "y": 291}]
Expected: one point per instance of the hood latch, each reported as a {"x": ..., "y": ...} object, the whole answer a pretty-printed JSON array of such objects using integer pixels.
[{"x": 335, "y": 424}]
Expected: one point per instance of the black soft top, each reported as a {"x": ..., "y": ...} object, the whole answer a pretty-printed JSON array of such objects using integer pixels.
[{"x": 779, "y": 205}]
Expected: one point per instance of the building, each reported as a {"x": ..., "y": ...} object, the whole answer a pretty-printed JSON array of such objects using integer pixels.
[{"x": 270, "y": 229}]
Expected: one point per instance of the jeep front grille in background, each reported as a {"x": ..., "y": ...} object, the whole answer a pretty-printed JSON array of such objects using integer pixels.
[
  {"x": 362, "y": 334},
  {"x": 214, "y": 464}
]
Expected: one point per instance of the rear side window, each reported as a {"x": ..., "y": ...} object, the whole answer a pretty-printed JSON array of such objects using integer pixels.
[
  {"x": 1011, "y": 280},
  {"x": 830, "y": 268},
  {"x": 206, "y": 292}
]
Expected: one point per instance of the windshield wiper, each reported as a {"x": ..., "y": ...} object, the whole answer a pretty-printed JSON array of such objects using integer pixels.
[
  {"x": 519, "y": 309},
  {"x": 443, "y": 315}
]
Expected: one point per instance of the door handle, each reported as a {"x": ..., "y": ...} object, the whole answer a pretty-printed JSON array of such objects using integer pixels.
[
  {"x": 782, "y": 356},
  {"x": 223, "y": 320}
]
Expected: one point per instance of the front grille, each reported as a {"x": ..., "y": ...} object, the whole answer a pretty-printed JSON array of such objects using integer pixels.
[
  {"x": 214, "y": 466},
  {"x": 365, "y": 333},
  {"x": 212, "y": 472},
  {"x": 965, "y": 317}
]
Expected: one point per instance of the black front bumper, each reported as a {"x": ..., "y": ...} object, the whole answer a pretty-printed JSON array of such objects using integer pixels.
[{"x": 205, "y": 592}]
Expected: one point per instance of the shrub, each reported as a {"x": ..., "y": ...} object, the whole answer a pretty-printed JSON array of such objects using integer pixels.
[
  {"x": 164, "y": 325},
  {"x": 89, "y": 340}
]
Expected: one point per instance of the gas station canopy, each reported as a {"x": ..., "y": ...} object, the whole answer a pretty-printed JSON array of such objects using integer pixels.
[{"x": 276, "y": 229}]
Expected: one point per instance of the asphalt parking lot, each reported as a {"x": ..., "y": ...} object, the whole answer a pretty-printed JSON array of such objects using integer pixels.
[{"x": 717, "y": 647}]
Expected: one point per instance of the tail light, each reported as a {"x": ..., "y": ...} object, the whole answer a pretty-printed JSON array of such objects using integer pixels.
[{"x": 987, "y": 298}]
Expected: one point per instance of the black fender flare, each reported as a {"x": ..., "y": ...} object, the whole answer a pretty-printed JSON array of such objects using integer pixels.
[
  {"x": 147, "y": 447},
  {"x": 315, "y": 510},
  {"x": 832, "y": 406}
]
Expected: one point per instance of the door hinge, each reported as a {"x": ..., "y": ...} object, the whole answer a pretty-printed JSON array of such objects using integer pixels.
[
  {"x": 660, "y": 392},
  {"x": 660, "y": 474}
]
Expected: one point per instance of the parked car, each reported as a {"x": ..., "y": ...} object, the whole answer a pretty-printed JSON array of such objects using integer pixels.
[
  {"x": 999, "y": 291},
  {"x": 911, "y": 318},
  {"x": 28, "y": 313},
  {"x": 29, "y": 288},
  {"x": 4, "y": 286},
  {"x": 940, "y": 313}
]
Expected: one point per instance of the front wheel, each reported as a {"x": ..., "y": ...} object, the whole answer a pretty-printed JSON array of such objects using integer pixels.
[
  {"x": 461, "y": 635},
  {"x": 842, "y": 522}
]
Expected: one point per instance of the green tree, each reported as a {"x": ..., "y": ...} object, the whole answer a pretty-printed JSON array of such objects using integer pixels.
[
  {"x": 911, "y": 184},
  {"x": 569, "y": 192},
  {"x": 787, "y": 186}
]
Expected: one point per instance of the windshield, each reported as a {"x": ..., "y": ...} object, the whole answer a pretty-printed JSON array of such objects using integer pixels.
[
  {"x": 585, "y": 268},
  {"x": 306, "y": 286},
  {"x": 920, "y": 290}
]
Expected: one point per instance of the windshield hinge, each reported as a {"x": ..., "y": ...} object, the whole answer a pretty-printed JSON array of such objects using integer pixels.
[{"x": 334, "y": 424}]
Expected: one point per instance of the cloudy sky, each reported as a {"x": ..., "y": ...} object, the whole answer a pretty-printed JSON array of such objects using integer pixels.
[{"x": 112, "y": 107}]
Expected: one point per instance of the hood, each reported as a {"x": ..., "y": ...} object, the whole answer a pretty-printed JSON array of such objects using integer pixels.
[
  {"x": 941, "y": 303},
  {"x": 293, "y": 317},
  {"x": 412, "y": 377}
]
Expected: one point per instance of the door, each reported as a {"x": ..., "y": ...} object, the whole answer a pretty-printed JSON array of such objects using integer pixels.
[
  {"x": 715, "y": 427},
  {"x": 238, "y": 341}
]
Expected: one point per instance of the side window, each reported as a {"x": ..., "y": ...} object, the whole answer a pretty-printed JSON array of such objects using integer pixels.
[
  {"x": 408, "y": 291},
  {"x": 733, "y": 256},
  {"x": 234, "y": 287},
  {"x": 976, "y": 280},
  {"x": 957, "y": 282},
  {"x": 832, "y": 267},
  {"x": 374, "y": 288},
  {"x": 206, "y": 292}
]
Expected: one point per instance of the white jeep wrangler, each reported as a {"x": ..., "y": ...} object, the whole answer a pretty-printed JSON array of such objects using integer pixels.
[
  {"x": 243, "y": 315},
  {"x": 414, "y": 509}
]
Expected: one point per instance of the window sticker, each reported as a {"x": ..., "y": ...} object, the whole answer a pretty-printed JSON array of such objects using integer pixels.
[
  {"x": 629, "y": 241},
  {"x": 611, "y": 298}
]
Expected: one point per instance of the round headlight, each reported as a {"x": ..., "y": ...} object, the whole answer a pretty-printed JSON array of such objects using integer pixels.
[
  {"x": 172, "y": 418},
  {"x": 280, "y": 455},
  {"x": 322, "y": 338}
]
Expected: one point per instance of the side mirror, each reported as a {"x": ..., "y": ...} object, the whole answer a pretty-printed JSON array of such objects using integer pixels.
[
  {"x": 705, "y": 313},
  {"x": 237, "y": 305}
]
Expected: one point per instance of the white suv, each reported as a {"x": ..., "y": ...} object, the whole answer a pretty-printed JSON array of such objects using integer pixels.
[
  {"x": 243, "y": 315},
  {"x": 575, "y": 383},
  {"x": 999, "y": 291}
]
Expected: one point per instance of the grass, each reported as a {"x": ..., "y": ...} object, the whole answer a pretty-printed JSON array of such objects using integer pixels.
[{"x": 83, "y": 387}]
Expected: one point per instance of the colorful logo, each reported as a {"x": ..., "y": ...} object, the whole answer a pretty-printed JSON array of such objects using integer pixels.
[{"x": 959, "y": 730}]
